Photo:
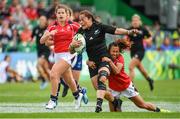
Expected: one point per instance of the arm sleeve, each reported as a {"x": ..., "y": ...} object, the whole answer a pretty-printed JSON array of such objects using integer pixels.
[
  {"x": 120, "y": 59},
  {"x": 146, "y": 33},
  {"x": 75, "y": 26},
  {"x": 108, "y": 29}
]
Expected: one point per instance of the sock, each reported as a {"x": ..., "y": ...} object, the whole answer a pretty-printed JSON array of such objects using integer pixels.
[
  {"x": 148, "y": 78},
  {"x": 78, "y": 86},
  {"x": 114, "y": 102},
  {"x": 76, "y": 94},
  {"x": 99, "y": 102},
  {"x": 53, "y": 98},
  {"x": 157, "y": 110},
  {"x": 59, "y": 86}
]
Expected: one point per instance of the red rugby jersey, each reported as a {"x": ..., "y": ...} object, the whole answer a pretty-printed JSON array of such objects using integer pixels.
[
  {"x": 63, "y": 37},
  {"x": 121, "y": 81}
]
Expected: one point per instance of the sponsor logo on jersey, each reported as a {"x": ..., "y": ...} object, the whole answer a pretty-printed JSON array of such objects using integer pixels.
[
  {"x": 96, "y": 32},
  {"x": 91, "y": 38}
]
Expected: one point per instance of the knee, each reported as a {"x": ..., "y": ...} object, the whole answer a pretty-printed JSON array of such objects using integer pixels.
[
  {"x": 53, "y": 76},
  {"x": 102, "y": 77}
]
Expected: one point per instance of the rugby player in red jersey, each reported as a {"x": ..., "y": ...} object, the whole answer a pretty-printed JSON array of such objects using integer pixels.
[
  {"x": 120, "y": 83},
  {"x": 60, "y": 34}
]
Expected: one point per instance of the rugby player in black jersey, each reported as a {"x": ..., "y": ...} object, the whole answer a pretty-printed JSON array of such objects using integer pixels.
[
  {"x": 94, "y": 34},
  {"x": 137, "y": 50},
  {"x": 43, "y": 52}
]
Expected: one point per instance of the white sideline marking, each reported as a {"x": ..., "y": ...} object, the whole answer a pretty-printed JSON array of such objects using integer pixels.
[{"x": 69, "y": 107}]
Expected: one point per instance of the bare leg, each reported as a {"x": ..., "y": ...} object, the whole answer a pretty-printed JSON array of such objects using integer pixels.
[
  {"x": 142, "y": 70},
  {"x": 68, "y": 77},
  {"x": 57, "y": 70},
  {"x": 138, "y": 101},
  {"x": 134, "y": 62}
]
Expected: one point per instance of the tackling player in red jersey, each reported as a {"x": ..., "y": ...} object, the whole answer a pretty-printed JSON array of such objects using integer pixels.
[{"x": 120, "y": 83}]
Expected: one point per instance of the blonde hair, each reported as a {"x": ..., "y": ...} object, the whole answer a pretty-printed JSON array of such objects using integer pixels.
[{"x": 137, "y": 16}]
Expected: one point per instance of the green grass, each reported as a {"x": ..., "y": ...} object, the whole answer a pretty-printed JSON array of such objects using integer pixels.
[
  {"x": 92, "y": 115},
  {"x": 165, "y": 90}
]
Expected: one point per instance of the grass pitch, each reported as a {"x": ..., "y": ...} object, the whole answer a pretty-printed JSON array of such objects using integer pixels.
[{"x": 18, "y": 100}]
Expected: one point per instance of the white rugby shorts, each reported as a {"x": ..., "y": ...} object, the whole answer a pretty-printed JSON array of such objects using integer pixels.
[
  {"x": 129, "y": 92},
  {"x": 66, "y": 56}
]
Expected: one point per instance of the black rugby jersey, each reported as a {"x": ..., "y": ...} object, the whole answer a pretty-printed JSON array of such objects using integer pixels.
[
  {"x": 41, "y": 48},
  {"x": 95, "y": 40},
  {"x": 137, "y": 39}
]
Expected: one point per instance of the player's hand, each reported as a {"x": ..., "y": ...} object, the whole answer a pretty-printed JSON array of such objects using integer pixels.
[
  {"x": 91, "y": 64},
  {"x": 133, "y": 31},
  {"x": 75, "y": 43},
  {"x": 49, "y": 42},
  {"x": 53, "y": 32},
  {"x": 106, "y": 59}
]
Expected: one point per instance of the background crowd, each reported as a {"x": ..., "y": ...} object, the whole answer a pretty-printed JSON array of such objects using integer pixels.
[{"x": 18, "y": 18}]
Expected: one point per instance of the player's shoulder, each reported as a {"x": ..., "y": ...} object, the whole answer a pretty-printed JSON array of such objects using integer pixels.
[
  {"x": 52, "y": 25},
  {"x": 120, "y": 58}
]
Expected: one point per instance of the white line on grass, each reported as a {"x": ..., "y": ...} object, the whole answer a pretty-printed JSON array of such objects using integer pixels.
[{"x": 69, "y": 107}]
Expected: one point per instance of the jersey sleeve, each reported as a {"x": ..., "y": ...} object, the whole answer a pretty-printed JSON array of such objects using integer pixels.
[
  {"x": 51, "y": 27},
  {"x": 146, "y": 33},
  {"x": 75, "y": 26},
  {"x": 108, "y": 29},
  {"x": 120, "y": 59}
]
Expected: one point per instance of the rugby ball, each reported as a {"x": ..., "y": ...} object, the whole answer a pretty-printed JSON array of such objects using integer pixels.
[{"x": 80, "y": 37}]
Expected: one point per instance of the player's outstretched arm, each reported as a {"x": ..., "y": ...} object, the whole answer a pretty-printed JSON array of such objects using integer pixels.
[{"x": 120, "y": 31}]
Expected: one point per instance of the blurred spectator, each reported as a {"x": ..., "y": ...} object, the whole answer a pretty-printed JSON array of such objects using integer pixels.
[
  {"x": 4, "y": 11},
  {"x": 12, "y": 7},
  {"x": 5, "y": 28},
  {"x": 30, "y": 10},
  {"x": 25, "y": 35},
  {"x": 76, "y": 15},
  {"x": 176, "y": 44},
  {"x": 149, "y": 45},
  {"x": 5, "y": 34},
  {"x": 158, "y": 35},
  {"x": 166, "y": 44},
  {"x": 7, "y": 72},
  {"x": 41, "y": 8},
  {"x": 19, "y": 18},
  {"x": 13, "y": 44},
  {"x": 51, "y": 9}
]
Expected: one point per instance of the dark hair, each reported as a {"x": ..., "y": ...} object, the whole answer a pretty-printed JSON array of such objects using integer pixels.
[
  {"x": 89, "y": 15},
  {"x": 122, "y": 45},
  {"x": 61, "y": 6},
  {"x": 112, "y": 44}
]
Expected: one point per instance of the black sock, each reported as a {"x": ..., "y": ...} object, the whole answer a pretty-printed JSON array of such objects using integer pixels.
[
  {"x": 157, "y": 109},
  {"x": 99, "y": 102},
  {"x": 78, "y": 86},
  {"x": 76, "y": 94},
  {"x": 149, "y": 79},
  {"x": 114, "y": 102},
  {"x": 53, "y": 98},
  {"x": 59, "y": 86}
]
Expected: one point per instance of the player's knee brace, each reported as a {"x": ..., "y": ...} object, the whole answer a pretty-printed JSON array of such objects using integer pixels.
[{"x": 101, "y": 85}]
